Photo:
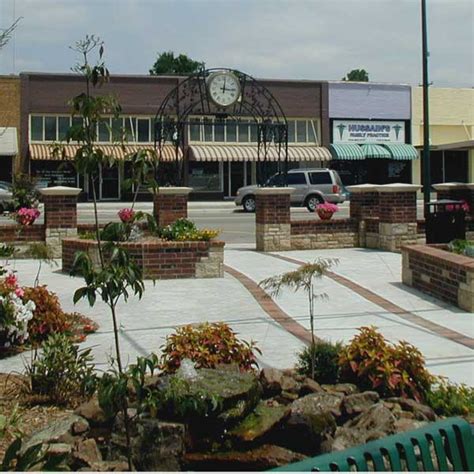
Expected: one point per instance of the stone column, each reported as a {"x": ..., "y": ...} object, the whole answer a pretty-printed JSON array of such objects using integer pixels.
[
  {"x": 397, "y": 215},
  {"x": 272, "y": 218},
  {"x": 60, "y": 215},
  {"x": 457, "y": 192},
  {"x": 170, "y": 204},
  {"x": 364, "y": 206}
]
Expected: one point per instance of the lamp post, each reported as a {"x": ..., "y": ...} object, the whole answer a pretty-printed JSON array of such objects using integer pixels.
[{"x": 426, "y": 120}]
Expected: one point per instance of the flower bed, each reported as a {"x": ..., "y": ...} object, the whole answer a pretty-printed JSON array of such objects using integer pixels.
[
  {"x": 435, "y": 271},
  {"x": 159, "y": 259}
]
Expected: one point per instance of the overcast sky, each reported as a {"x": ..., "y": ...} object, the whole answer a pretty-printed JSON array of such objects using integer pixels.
[{"x": 295, "y": 39}]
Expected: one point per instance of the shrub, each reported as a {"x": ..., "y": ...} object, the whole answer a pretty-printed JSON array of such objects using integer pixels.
[
  {"x": 207, "y": 345},
  {"x": 49, "y": 318},
  {"x": 24, "y": 191},
  {"x": 63, "y": 373},
  {"x": 184, "y": 229},
  {"x": 371, "y": 362},
  {"x": 325, "y": 357},
  {"x": 448, "y": 399}
]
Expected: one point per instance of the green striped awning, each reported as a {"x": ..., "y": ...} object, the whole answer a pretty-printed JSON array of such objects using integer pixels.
[
  {"x": 347, "y": 152},
  {"x": 371, "y": 150},
  {"x": 401, "y": 151}
]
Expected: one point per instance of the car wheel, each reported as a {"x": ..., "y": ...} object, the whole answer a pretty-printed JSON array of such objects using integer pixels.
[
  {"x": 249, "y": 204},
  {"x": 312, "y": 202}
]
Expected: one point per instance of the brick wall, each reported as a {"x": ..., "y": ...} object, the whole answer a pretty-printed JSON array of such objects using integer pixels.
[
  {"x": 60, "y": 212},
  {"x": 323, "y": 227},
  {"x": 16, "y": 233},
  {"x": 437, "y": 272},
  {"x": 364, "y": 205},
  {"x": 167, "y": 208},
  {"x": 272, "y": 209},
  {"x": 398, "y": 207},
  {"x": 160, "y": 260},
  {"x": 10, "y": 102}
]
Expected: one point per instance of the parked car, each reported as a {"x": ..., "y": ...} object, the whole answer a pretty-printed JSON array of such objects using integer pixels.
[
  {"x": 6, "y": 196},
  {"x": 312, "y": 187}
]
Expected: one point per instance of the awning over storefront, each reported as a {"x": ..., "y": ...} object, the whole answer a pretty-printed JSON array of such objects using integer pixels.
[
  {"x": 347, "y": 152},
  {"x": 371, "y": 150},
  {"x": 45, "y": 151},
  {"x": 8, "y": 141},
  {"x": 401, "y": 151},
  {"x": 250, "y": 153}
]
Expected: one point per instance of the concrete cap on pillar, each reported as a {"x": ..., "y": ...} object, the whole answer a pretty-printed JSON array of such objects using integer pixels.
[
  {"x": 362, "y": 188},
  {"x": 60, "y": 191},
  {"x": 452, "y": 186},
  {"x": 274, "y": 190},
  {"x": 170, "y": 190},
  {"x": 398, "y": 188}
]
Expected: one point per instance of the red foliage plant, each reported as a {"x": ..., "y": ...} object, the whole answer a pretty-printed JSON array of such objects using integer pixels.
[
  {"x": 371, "y": 362},
  {"x": 207, "y": 345}
]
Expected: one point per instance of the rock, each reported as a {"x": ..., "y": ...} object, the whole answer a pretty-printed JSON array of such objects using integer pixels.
[
  {"x": 92, "y": 412},
  {"x": 310, "y": 386},
  {"x": 80, "y": 427},
  {"x": 58, "y": 449},
  {"x": 289, "y": 396},
  {"x": 271, "y": 380},
  {"x": 345, "y": 388},
  {"x": 259, "y": 459},
  {"x": 86, "y": 453},
  {"x": 421, "y": 412},
  {"x": 58, "y": 432},
  {"x": 260, "y": 422},
  {"x": 316, "y": 403},
  {"x": 290, "y": 385},
  {"x": 406, "y": 424},
  {"x": 107, "y": 466},
  {"x": 359, "y": 402}
]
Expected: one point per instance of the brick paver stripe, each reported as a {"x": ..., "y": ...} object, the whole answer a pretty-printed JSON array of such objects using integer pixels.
[{"x": 391, "y": 307}]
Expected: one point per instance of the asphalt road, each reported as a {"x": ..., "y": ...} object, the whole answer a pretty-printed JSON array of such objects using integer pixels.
[{"x": 235, "y": 225}]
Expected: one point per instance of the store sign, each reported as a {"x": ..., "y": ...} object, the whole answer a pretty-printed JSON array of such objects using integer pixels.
[{"x": 357, "y": 131}]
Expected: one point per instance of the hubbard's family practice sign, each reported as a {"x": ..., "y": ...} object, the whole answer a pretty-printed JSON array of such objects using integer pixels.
[{"x": 357, "y": 131}]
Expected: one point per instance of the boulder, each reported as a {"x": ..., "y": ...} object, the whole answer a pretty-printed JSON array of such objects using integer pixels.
[
  {"x": 359, "y": 402},
  {"x": 259, "y": 459},
  {"x": 344, "y": 388},
  {"x": 93, "y": 413},
  {"x": 271, "y": 380},
  {"x": 107, "y": 466},
  {"x": 60, "y": 431},
  {"x": 58, "y": 449},
  {"x": 316, "y": 403},
  {"x": 86, "y": 453},
  {"x": 310, "y": 386},
  {"x": 407, "y": 424},
  {"x": 290, "y": 385},
  {"x": 80, "y": 427},
  {"x": 260, "y": 422},
  {"x": 421, "y": 412}
]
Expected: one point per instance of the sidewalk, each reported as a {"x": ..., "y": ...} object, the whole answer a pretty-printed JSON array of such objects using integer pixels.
[{"x": 144, "y": 324}]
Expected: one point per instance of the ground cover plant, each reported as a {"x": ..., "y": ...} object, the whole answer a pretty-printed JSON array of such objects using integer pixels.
[
  {"x": 462, "y": 247},
  {"x": 448, "y": 399},
  {"x": 184, "y": 229}
]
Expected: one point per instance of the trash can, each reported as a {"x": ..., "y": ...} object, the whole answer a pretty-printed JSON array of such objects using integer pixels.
[{"x": 445, "y": 221}]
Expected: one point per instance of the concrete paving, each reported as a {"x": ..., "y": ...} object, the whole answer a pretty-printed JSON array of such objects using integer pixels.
[{"x": 144, "y": 324}]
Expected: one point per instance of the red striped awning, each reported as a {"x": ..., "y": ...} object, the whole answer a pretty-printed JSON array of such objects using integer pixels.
[
  {"x": 42, "y": 151},
  {"x": 250, "y": 153}
]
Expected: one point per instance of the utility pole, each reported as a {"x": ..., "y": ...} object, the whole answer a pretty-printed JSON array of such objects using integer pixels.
[{"x": 426, "y": 120}]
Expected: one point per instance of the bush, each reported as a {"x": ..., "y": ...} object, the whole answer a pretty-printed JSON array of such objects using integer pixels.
[
  {"x": 325, "y": 356},
  {"x": 207, "y": 345},
  {"x": 24, "y": 191},
  {"x": 372, "y": 363},
  {"x": 451, "y": 399},
  {"x": 49, "y": 318},
  {"x": 184, "y": 229},
  {"x": 63, "y": 373}
]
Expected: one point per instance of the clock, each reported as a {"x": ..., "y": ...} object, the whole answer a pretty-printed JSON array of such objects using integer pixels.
[{"x": 224, "y": 88}]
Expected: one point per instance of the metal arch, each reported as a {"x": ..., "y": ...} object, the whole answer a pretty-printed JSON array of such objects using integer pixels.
[{"x": 190, "y": 97}]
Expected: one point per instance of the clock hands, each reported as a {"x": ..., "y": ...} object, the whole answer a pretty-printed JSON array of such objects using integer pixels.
[{"x": 223, "y": 87}]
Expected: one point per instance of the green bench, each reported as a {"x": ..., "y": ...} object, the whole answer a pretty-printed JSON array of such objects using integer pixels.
[{"x": 441, "y": 446}]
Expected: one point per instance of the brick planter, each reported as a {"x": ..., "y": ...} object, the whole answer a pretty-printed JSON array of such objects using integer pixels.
[
  {"x": 159, "y": 259},
  {"x": 437, "y": 272}
]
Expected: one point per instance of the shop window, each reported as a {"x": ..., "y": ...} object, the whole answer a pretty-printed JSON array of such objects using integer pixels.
[
  {"x": 301, "y": 135},
  {"x": 231, "y": 131},
  {"x": 219, "y": 130},
  {"x": 63, "y": 127},
  {"x": 195, "y": 130},
  {"x": 253, "y": 132},
  {"x": 296, "y": 178},
  {"x": 322, "y": 177},
  {"x": 143, "y": 130},
  {"x": 291, "y": 131},
  {"x": 104, "y": 131},
  {"x": 117, "y": 124},
  {"x": 50, "y": 128},
  {"x": 312, "y": 136},
  {"x": 448, "y": 166},
  {"x": 77, "y": 121},
  {"x": 204, "y": 176},
  {"x": 208, "y": 135},
  {"x": 243, "y": 132},
  {"x": 130, "y": 128},
  {"x": 36, "y": 128}
]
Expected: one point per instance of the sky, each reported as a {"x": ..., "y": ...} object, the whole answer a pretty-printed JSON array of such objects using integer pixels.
[{"x": 283, "y": 39}]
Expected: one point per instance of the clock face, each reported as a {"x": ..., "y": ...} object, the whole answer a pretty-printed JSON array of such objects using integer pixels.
[{"x": 224, "y": 88}]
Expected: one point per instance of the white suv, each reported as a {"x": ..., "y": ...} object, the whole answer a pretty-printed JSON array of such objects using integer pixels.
[{"x": 312, "y": 187}]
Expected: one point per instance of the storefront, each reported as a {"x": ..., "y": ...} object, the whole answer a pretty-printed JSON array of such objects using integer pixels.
[
  {"x": 8, "y": 152},
  {"x": 370, "y": 132}
]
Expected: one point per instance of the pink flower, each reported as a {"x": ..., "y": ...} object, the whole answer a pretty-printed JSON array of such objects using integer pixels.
[
  {"x": 11, "y": 280},
  {"x": 126, "y": 215},
  {"x": 27, "y": 216},
  {"x": 328, "y": 207},
  {"x": 19, "y": 292}
]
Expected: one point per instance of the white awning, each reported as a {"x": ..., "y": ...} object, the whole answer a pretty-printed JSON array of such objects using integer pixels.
[
  {"x": 250, "y": 153},
  {"x": 8, "y": 141}
]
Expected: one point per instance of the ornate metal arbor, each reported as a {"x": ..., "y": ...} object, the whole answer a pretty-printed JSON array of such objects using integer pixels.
[{"x": 256, "y": 106}]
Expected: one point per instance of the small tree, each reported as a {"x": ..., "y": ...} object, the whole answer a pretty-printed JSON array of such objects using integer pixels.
[
  {"x": 44, "y": 254},
  {"x": 302, "y": 279},
  {"x": 357, "y": 75},
  {"x": 168, "y": 63}
]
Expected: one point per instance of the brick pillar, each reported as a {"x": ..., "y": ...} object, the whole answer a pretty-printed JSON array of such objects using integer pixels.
[
  {"x": 170, "y": 204},
  {"x": 60, "y": 215},
  {"x": 272, "y": 218},
  {"x": 397, "y": 215},
  {"x": 457, "y": 192}
]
